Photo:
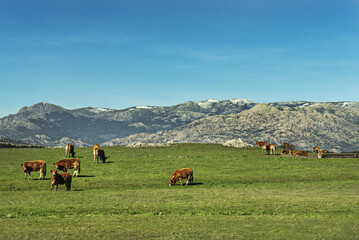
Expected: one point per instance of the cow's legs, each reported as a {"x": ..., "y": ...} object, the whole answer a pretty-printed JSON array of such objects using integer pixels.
[
  {"x": 180, "y": 181},
  {"x": 188, "y": 179}
]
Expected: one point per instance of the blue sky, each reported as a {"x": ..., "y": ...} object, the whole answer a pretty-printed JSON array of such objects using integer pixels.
[{"x": 118, "y": 54}]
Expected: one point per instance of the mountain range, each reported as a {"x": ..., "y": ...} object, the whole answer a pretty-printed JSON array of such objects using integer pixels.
[{"x": 333, "y": 126}]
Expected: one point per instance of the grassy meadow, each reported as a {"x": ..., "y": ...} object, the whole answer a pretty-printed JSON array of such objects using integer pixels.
[{"x": 236, "y": 194}]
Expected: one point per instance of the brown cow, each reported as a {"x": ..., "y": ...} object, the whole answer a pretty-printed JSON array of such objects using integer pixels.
[
  {"x": 300, "y": 153},
  {"x": 321, "y": 152},
  {"x": 316, "y": 149},
  {"x": 99, "y": 154},
  {"x": 272, "y": 149},
  {"x": 94, "y": 154},
  {"x": 261, "y": 143},
  {"x": 268, "y": 149},
  {"x": 65, "y": 164},
  {"x": 180, "y": 174},
  {"x": 32, "y": 166},
  {"x": 265, "y": 148},
  {"x": 60, "y": 178},
  {"x": 285, "y": 151},
  {"x": 285, "y": 144},
  {"x": 70, "y": 150}
]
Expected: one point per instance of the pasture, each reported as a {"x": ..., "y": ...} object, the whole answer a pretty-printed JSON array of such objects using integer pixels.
[{"x": 236, "y": 194}]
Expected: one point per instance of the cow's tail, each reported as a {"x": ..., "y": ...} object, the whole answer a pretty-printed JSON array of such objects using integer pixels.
[
  {"x": 191, "y": 179},
  {"x": 44, "y": 171},
  {"x": 79, "y": 168}
]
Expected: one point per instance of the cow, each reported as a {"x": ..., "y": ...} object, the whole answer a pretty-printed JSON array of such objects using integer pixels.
[
  {"x": 261, "y": 143},
  {"x": 316, "y": 149},
  {"x": 321, "y": 152},
  {"x": 285, "y": 151},
  {"x": 32, "y": 166},
  {"x": 99, "y": 153},
  {"x": 268, "y": 149},
  {"x": 285, "y": 144},
  {"x": 65, "y": 164},
  {"x": 265, "y": 148},
  {"x": 300, "y": 153},
  {"x": 272, "y": 149},
  {"x": 60, "y": 178},
  {"x": 69, "y": 150},
  {"x": 180, "y": 174},
  {"x": 94, "y": 154}
]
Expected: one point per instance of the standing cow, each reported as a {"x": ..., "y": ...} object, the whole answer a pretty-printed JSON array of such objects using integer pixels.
[
  {"x": 180, "y": 174},
  {"x": 65, "y": 164},
  {"x": 70, "y": 150},
  {"x": 94, "y": 152},
  {"x": 268, "y": 149},
  {"x": 99, "y": 153},
  {"x": 60, "y": 178},
  {"x": 32, "y": 166}
]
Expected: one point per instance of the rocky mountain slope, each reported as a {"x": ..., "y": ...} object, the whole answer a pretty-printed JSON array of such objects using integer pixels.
[
  {"x": 51, "y": 125},
  {"x": 334, "y": 126}
]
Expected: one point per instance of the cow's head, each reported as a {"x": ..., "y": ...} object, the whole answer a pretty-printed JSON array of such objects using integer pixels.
[
  {"x": 54, "y": 172},
  {"x": 172, "y": 181},
  {"x": 23, "y": 166}
]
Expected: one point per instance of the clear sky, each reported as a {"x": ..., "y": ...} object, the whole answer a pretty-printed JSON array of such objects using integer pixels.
[{"x": 119, "y": 54}]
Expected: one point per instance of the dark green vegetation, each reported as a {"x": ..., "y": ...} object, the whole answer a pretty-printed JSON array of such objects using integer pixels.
[{"x": 237, "y": 193}]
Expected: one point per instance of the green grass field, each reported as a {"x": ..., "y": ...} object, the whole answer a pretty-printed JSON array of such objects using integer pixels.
[{"x": 237, "y": 194}]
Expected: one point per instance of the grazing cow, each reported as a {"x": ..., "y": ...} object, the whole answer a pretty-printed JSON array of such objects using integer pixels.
[
  {"x": 94, "y": 147},
  {"x": 32, "y": 166},
  {"x": 316, "y": 149},
  {"x": 180, "y": 174},
  {"x": 60, "y": 178},
  {"x": 261, "y": 143},
  {"x": 285, "y": 144},
  {"x": 300, "y": 153},
  {"x": 65, "y": 164},
  {"x": 99, "y": 153},
  {"x": 285, "y": 151},
  {"x": 70, "y": 150}
]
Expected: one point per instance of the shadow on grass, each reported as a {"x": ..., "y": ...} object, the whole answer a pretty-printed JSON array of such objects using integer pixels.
[
  {"x": 83, "y": 176},
  {"x": 189, "y": 184},
  {"x": 36, "y": 179},
  {"x": 78, "y": 190},
  {"x": 194, "y": 184}
]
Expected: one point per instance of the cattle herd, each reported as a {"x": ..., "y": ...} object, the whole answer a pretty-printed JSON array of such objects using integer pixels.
[
  {"x": 270, "y": 149},
  {"x": 98, "y": 153}
]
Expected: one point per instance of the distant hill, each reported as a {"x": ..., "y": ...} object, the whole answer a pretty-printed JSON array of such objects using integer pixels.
[
  {"x": 332, "y": 126},
  {"x": 51, "y": 125}
]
